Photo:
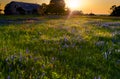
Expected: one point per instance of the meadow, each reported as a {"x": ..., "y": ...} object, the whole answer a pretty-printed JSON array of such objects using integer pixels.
[{"x": 51, "y": 47}]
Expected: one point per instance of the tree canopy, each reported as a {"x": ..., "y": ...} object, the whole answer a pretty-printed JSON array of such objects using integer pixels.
[
  {"x": 0, "y": 9},
  {"x": 56, "y": 7},
  {"x": 115, "y": 10}
]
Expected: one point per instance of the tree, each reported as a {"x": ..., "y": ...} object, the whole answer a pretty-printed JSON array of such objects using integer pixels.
[
  {"x": 0, "y": 9},
  {"x": 77, "y": 12},
  {"x": 91, "y": 14},
  {"x": 67, "y": 11},
  {"x": 113, "y": 7},
  {"x": 115, "y": 10},
  {"x": 43, "y": 8},
  {"x": 56, "y": 7}
]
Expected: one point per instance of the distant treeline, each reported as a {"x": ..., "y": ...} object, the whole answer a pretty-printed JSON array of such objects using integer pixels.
[{"x": 56, "y": 7}]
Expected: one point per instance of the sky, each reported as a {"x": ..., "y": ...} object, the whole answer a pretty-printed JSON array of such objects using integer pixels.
[{"x": 87, "y": 6}]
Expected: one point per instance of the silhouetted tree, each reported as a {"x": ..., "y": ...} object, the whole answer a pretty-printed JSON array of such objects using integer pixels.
[
  {"x": 115, "y": 10},
  {"x": 44, "y": 8},
  {"x": 67, "y": 11},
  {"x": 56, "y": 7},
  {"x": 77, "y": 12},
  {"x": 113, "y": 7},
  {"x": 91, "y": 14},
  {"x": 0, "y": 9}
]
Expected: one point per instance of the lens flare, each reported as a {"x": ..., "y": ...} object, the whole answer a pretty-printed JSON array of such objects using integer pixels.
[{"x": 73, "y": 4}]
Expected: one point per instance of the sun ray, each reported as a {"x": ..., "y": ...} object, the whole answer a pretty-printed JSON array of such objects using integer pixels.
[{"x": 73, "y": 4}]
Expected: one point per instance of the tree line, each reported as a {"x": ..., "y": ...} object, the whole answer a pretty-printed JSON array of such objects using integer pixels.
[
  {"x": 54, "y": 7},
  {"x": 58, "y": 7}
]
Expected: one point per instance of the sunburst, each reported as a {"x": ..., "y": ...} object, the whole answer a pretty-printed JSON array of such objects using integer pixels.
[{"x": 73, "y": 4}]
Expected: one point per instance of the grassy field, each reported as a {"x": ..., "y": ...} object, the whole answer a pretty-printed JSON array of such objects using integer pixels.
[{"x": 80, "y": 47}]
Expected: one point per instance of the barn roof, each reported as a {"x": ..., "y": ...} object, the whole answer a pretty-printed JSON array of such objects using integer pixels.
[{"x": 26, "y": 6}]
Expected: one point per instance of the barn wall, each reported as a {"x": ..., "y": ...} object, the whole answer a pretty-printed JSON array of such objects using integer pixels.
[{"x": 15, "y": 9}]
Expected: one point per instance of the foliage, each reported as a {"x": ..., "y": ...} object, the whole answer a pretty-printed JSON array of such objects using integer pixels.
[
  {"x": 77, "y": 12},
  {"x": 115, "y": 10},
  {"x": 0, "y": 9},
  {"x": 56, "y": 7},
  {"x": 67, "y": 11},
  {"x": 44, "y": 8},
  {"x": 73, "y": 48},
  {"x": 91, "y": 14}
]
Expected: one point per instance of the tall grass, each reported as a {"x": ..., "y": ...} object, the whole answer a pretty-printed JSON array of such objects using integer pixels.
[{"x": 59, "y": 49}]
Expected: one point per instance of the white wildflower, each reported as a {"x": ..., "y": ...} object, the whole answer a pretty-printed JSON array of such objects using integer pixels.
[{"x": 100, "y": 43}]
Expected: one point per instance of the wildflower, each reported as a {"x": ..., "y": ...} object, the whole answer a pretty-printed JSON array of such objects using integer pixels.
[
  {"x": 73, "y": 78},
  {"x": 43, "y": 74},
  {"x": 78, "y": 38},
  {"x": 39, "y": 33},
  {"x": 99, "y": 77},
  {"x": 118, "y": 61},
  {"x": 95, "y": 77},
  {"x": 38, "y": 77},
  {"x": 100, "y": 43},
  {"x": 32, "y": 68},
  {"x": 27, "y": 50},
  {"x": 8, "y": 77},
  {"x": 30, "y": 56},
  {"x": 117, "y": 50},
  {"x": 65, "y": 46},
  {"x": 73, "y": 45},
  {"x": 6, "y": 59},
  {"x": 36, "y": 58},
  {"x": 20, "y": 59},
  {"x": 12, "y": 57},
  {"x": 43, "y": 66},
  {"x": 118, "y": 32},
  {"x": 65, "y": 39},
  {"x": 53, "y": 58},
  {"x": 10, "y": 69},
  {"x": 81, "y": 46},
  {"x": 105, "y": 25},
  {"x": 73, "y": 30},
  {"x": 106, "y": 55},
  {"x": 114, "y": 33}
]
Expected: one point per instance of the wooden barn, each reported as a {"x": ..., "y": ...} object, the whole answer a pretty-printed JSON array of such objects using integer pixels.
[{"x": 22, "y": 8}]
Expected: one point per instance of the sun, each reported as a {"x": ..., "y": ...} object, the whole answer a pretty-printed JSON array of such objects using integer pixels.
[{"x": 73, "y": 4}]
